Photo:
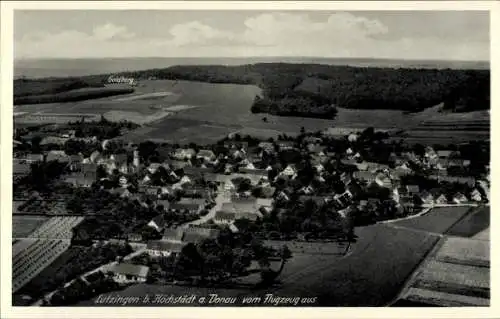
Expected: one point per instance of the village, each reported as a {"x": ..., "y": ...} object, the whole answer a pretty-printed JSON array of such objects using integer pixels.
[{"x": 157, "y": 199}]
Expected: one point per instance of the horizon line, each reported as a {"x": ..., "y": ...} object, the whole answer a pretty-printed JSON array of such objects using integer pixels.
[{"x": 250, "y": 57}]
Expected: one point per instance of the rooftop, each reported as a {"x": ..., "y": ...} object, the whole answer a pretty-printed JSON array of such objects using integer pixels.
[
  {"x": 130, "y": 269},
  {"x": 162, "y": 245}
]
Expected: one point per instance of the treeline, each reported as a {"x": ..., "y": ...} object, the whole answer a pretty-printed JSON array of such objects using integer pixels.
[
  {"x": 72, "y": 96},
  {"x": 295, "y": 104},
  {"x": 31, "y": 87},
  {"x": 344, "y": 86}
]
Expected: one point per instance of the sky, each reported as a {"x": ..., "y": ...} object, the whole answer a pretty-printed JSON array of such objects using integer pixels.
[{"x": 412, "y": 35}]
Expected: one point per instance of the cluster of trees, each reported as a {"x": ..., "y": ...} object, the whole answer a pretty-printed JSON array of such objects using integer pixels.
[
  {"x": 31, "y": 87},
  {"x": 214, "y": 261},
  {"x": 309, "y": 220},
  {"x": 229, "y": 255},
  {"x": 295, "y": 104},
  {"x": 109, "y": 216},
  {"x": 53, "y": 90},
  {"x": 42, "y": 177},
  {"x": 102, "y": 129},
  {"x": 344, "y": 86},
  {"x": 375, "y": 210},
  {"x": 79, "y": 290}
]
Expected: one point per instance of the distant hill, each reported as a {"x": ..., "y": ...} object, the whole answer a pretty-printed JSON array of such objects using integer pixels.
[
  {"x": 40, "y": 68},
  {"x": 316, "y": 89}
]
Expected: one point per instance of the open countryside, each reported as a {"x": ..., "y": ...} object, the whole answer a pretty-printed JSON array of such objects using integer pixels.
[
  {"x": 298, "y": 181},
  {"x": 215, "y": 110}
]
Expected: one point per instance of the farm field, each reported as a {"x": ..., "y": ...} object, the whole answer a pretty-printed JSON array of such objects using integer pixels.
[
  {"x": 438, "y": 220},
  {"x": 22, "y": 226},
  {"x": 227, "y": 108},
  {"x": 353, "y": 281},
  {"x": 472, "y": 224},
  {"x": 467, "y": 276},
  {"x": 309, "y": 248},
  {"x": 483, "y": 235},
  {"x": 457, "y": 272},
  {"x": 38, "y": 285},
  {"x": 136, "y": 117},
  {"x": 444, "y": 299},
  {"x": 465, "y": 251}
]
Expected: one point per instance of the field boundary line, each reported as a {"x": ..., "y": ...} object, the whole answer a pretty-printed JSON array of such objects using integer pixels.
[{"x": 415, "y": 272}]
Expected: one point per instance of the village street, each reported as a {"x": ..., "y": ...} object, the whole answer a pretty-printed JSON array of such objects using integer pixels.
[{"x": 219, "y": 200}]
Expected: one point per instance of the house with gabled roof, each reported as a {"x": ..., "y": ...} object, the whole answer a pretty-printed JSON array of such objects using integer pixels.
[
  {"x": 183, "y": 153},
  {"x": 430, "y": 153},
  {"x": 285, "y": 145},
  {"x": 33, "y": 158},
  {"x": 178, "y": 164},
  {"x": 206, "y": 155},
  {"x": 283, "y": 196},
  {"x": 383, "y": 180},
  {"x": 197, "y": 234},
  {"x": 367, "y": 177},
  {"x": 158, "y": 223},
  {"x": 164, "y": 203},
  {"x": 224, "y": 217},
  {"x": 236, "y": 144},
  {"x": 363, "y": 166},
  {"x": 153, "y": 167},
  {"x": 267, "y": 147},
  {"x": 444, "y": 153},
  {"x": 173, "y": 235},
  {"x": 459, "y": 198},
  {"x": 412, "y": 190},
  {"x": 476, "y": 196},
  {"x": 289, "y": 171},
  {"x": 151, "y": 191},
  {"x": 162, "y": 248},
  {"x": 191, "y": 207},
  {"x": 75, "y": 163},
  {"x": 134, "y": 237},
  {"x": 426, "y": 197},
  {"x": 80, "y": 180},
  {"x": 129, "y": 273},
  {"x": 59, "y": 156},
  {"x": 441, "y": 199}
]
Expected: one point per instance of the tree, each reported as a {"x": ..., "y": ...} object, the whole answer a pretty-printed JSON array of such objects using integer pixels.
[
  {"x": 147, "y": 150},
  {"x": 35, "y": 144}
]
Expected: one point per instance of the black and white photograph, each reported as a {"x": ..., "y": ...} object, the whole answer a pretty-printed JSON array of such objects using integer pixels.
[{"x": 249, "y": 158}]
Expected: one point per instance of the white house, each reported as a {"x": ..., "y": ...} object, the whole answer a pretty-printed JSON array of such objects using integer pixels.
[
  {"x": 289, "y": 171},
  {"x": 182, "y": 153},
  {"x": 475, "y": 195},
  {"x": 459, "y": 198},
  {"x": 352, "y": 137},
  {"x": 123, "y": 181},
  {"x": 158, "y": 223},
  {"x": 206, "y": 155},
  {"x": 185, "y": 180},
  {"x": 441, "y": 199},
  {"x": 129, "y": 273},
  {"x": 162, "y": 248}
]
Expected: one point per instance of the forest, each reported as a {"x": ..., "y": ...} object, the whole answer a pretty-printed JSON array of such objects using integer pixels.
[
  {"x": 56, "y": 90},
  {"x": 315, "y": 89}
]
